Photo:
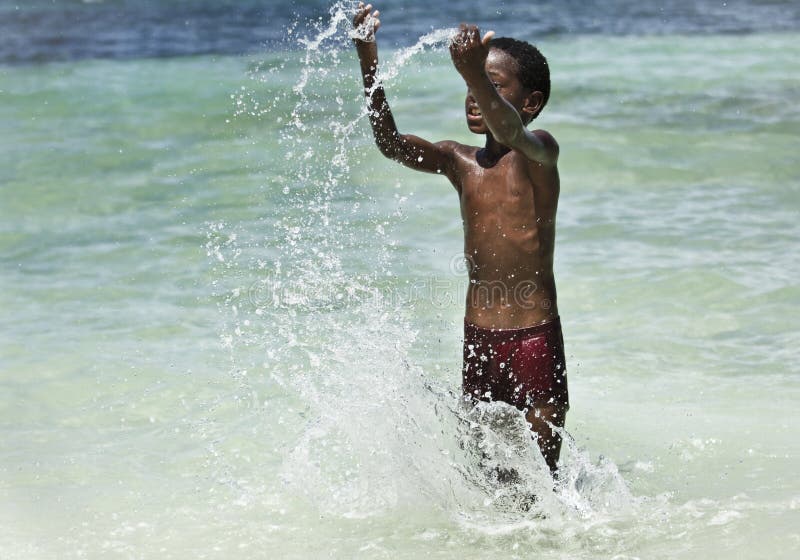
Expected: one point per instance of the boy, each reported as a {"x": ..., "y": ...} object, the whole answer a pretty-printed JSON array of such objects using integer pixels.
[{"x": 513, "y": 348}]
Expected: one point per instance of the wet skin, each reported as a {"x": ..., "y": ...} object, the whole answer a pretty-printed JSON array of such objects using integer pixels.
[
  {"x": 508, "y": 190},
  {"x": 508, "y": 208}
]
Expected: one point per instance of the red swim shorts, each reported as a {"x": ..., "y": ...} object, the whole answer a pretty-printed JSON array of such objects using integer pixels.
[{"x": 517, "y": 366}]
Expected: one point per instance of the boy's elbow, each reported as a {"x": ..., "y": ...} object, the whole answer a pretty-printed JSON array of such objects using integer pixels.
[
  {"x": 389, "y": 146},
  {"x": 509, "y": 136},
  {"x": 386, "y": 149}
]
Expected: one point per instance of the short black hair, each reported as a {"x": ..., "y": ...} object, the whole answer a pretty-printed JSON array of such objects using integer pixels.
[{"x": 534, "y": 73}]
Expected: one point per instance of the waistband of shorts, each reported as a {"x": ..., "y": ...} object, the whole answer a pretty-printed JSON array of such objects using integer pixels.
[{"x": 474, "y": 331}]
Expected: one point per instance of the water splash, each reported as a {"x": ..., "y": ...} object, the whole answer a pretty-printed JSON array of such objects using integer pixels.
[
  {"x": 370, "y": 434},
  {"x": 436, "y": 38}
]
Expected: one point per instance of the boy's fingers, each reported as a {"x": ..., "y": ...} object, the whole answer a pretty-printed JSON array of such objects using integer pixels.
[
  {"x": 457, "y": 37},
  {"x": 487, "y": 38},
  {"x": 466, "y": 34}
]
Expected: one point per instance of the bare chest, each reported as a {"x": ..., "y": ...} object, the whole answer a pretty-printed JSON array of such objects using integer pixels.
[{"x": 503, "y": 193}]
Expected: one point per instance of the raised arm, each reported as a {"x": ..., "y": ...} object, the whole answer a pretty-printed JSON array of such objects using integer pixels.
[
  {"x": 407, "y": 149},
  {"x": 469, "y": 53}
]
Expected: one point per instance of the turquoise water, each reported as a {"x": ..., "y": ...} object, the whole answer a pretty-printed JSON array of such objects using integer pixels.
[{"x": 231, "y": 328}]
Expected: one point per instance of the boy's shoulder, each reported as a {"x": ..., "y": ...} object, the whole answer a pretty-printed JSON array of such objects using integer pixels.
[
  {"x": 457, "y": 150},
  {"x": 453, "y": 146},
  {"x": 540, "y": 148},
  {"x": 546, "y": 138}
]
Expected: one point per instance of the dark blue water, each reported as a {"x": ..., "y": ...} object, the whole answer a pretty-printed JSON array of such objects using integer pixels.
[{"x": 52, "y": 30}]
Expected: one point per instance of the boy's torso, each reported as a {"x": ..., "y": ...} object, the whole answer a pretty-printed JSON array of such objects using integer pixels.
[{"x": 508, "y": 208}]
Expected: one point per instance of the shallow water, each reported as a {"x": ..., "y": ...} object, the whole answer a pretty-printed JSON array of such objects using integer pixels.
[{"x": 232, "y": 328}]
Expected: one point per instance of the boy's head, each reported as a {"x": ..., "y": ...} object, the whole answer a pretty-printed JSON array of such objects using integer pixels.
[
  {"x": 520, "y": 74},
  {"x": 532, "y": 69}
]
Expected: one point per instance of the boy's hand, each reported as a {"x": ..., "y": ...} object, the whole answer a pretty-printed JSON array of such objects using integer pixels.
[
  {"x": 366, "y": 23},
  {"x": 469, "y": 51}
]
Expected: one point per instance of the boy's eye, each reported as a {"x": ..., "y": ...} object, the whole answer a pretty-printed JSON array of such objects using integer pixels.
[{"x": 495, "y": 84}]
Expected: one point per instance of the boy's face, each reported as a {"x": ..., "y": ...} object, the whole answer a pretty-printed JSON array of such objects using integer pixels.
[{"x": 502, "y": 70}]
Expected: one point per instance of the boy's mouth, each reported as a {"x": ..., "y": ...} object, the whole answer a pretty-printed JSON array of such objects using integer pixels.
[{"x": 474, "y": 118}]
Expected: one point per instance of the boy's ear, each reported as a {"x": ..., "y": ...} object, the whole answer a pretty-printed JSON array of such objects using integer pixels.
[{"x": 533, "y": 105}]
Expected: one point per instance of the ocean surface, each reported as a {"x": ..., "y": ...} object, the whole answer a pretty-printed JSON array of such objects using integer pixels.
[{"x": 231, "y": 328}]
